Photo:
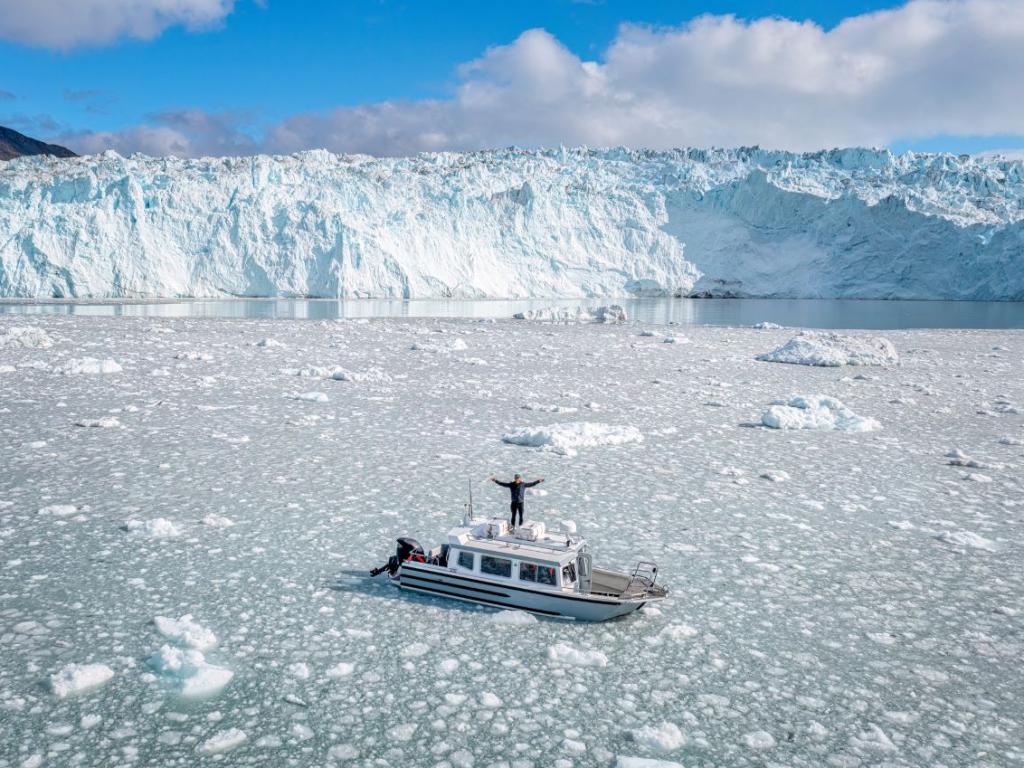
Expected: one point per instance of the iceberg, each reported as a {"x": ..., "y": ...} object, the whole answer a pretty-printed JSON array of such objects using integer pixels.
[{"x": 514, "y": 223}]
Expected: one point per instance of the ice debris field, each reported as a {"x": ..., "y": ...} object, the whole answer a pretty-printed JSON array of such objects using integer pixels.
[{"x": 188, "y": 509}]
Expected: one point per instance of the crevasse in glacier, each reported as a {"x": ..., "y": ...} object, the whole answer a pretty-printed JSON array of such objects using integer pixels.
[{"x": 852, "y": 223}]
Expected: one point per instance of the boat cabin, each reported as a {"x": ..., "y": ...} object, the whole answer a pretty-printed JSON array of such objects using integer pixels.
[{"x": 531, "y": 555}]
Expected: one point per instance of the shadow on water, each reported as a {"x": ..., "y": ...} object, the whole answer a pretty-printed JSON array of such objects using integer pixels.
[{"x": 360, "y": 582}]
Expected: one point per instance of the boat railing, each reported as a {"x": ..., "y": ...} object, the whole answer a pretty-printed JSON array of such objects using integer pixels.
[{"x": 642, "y": 581}]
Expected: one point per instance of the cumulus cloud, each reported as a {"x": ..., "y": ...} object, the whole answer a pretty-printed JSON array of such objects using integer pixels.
[
  {"x": 184, "y": 133},
  {"x": 930, "y": 67},
  {"x": 66, "y": 24}
]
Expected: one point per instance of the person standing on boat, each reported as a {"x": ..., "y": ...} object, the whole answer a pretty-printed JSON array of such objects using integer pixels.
[{"x": 518, "y": 490}]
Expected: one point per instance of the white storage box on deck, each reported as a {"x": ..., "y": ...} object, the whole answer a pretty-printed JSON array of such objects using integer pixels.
[
  {"x": 493, "y": 528},
  {"x": 531, "y": 531}
]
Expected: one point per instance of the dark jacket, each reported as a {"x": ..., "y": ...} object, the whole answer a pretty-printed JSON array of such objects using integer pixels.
[{"x": 517, "y": 489}]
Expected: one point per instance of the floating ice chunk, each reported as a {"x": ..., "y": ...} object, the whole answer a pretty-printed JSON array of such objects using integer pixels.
[
  {"x": 217, "y": 521},
  {"x": 566, "y": 438},
  {"x": 458, "y": 345},
  {"x": 544, "y": 408},
  {"x": 665, "y": 737},
  {"x": 194, "y": 356},
  {"x": 268, "y": 343},
  {"x": 370, "y": 376},
  {"x": 873, "y": 740},
  {"x": 677, "y": 633},
  {"x": 104, "y": 422},
  {"x": 766, "y": 326},
  {"x": 816, "y": 412},
  {"x": 402, "y": 732},
  {"x": 58, "y": 510},
  {"x": 759, "y": 740},
  {"x": 342, "y": 752},
  {"x": 612, "y": 313},
  {"x": 185, "y": 631},
  {"x": 489, "y": 700},
  {"x": 157, "y": 528},
  {"x": 775, "y": 475},
  {"x": 447, "y": 666},
  {"x": 7, "y": 369},
  {"x": 625, "y": 761},
  {"x": 968, "y": 539},
  {"x": 675, "y": 340},
  {"x": 414, "y": 650},
  {"x": 340, "y": 670},
  {"x": 901, "y": 525},
  {"x": 26, "y": 337},
  {"x": 223, "y": 741},
  {"x": 75, "y": 679},
  {"x": 309, "y": 397},
  {"x": 562, "y": 653},
  {"x": 833, "y": 349},
  {"x": 88, "y": 365},
  {"x": 514, "y": 618},
  {"x": 1010, "y": 441},
  {"x": 978, "y": 477},
  {"x": 299, "y": 670},
  {"x": 310, "y": 372},
  {"x": 188, "y": 672}
]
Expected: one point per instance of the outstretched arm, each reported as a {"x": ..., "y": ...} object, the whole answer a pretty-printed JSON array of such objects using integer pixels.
[
  {"x": 496, "y": 481},
  {"x": 535, "y": 482}
]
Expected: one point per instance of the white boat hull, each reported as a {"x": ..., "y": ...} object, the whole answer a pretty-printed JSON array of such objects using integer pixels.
[{"x": 444, "y": 582}]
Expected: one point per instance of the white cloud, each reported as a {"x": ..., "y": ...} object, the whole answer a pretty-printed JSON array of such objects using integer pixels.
[
  {"x": 930, "y": 67},
  {"x": 66, "y": 24}
]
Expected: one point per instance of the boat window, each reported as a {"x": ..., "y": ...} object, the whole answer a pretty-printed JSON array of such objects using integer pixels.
[
  {"x": 569, "y": 573},
  {"x": 545, "y": 575},
  {"x": 466, "y": 560},
  {"x": 527, "y": 571},
  {"x": 495, "y": 566}
]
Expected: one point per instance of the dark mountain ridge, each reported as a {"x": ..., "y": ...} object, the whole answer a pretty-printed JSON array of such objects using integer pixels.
[{"x": 14, "y": 144}]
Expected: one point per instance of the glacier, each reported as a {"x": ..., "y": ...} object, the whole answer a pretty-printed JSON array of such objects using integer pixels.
[{"x": 514, "y": 223}]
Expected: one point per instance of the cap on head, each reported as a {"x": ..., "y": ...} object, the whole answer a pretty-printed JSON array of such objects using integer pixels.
[{"x": 518, "y": 476}]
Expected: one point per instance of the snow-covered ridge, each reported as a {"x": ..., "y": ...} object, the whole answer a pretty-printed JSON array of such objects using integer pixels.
[{"x": 850, "y": 223}]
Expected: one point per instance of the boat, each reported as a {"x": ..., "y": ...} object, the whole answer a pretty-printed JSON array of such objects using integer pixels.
[{"x": 548, "y": 573}]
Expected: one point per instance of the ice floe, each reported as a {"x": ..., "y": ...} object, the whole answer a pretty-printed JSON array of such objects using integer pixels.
[
  {"x": 188, "y": 673},
  {"x": 223, "y": 741},
  {"x": 566, "y": 438},
  {"x": 88, "y": 366},
  {"x": 612, "y": 313},
  {"x": 217, "y": 521},
  {"x": 968, "y": 539},
  {"x": 309, "y": 397},
  {"x": 26, "y": 337},
  {"x": 157, "y": 528},
  {"x": 76, "y": 679},
  {"x": 816, "y": 412},
  {"x": 832, "y": 350},
  {"x": 104, "y": 422},
  {"x": 665, "y": 737},
  {"x": 563, "y": 653},
  {"x": 184, "y": 631}
]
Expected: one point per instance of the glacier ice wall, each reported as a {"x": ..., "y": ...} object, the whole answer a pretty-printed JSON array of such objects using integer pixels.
[{"x": 515, "y": 223}]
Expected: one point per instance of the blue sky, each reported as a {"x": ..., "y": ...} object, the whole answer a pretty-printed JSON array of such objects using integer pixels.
[{"x": 279, "y": 75}]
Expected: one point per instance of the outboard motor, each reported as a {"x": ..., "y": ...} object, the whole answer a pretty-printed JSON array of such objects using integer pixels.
[{"x": 406, "y": 548}]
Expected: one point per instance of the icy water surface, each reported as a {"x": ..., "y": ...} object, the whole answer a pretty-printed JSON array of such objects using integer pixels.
[
  {"x": 808, "y": 313},
  {"x": 837, "y": 598}
]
